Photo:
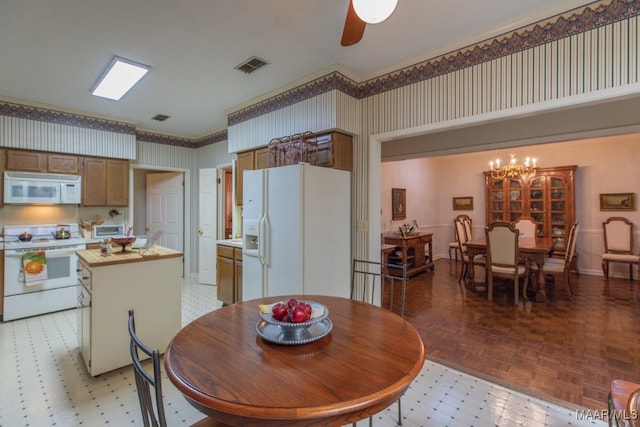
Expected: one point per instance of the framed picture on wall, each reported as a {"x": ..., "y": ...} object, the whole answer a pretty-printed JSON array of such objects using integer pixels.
[
  {"x": 463, "y": 203},
  {"x": 617, "y": 202},
  {"x": 398, "y": 203}
]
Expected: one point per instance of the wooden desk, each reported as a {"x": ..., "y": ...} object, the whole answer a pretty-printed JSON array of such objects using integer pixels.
[
  {"x": 535, "y": 249},
  {"x": 228, "y": 372},
  {"x": 413, "y": 251}
]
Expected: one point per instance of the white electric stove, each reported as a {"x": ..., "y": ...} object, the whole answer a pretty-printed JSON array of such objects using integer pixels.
[{"x": 59, "y": 290}]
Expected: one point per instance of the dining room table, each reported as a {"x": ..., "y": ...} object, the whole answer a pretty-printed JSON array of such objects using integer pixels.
[
  {"x": 239, "y": 366},
  {"x": 534, "y": 249}
]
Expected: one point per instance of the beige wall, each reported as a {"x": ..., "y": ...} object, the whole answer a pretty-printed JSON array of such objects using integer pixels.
[{"x": 605, "y": 165}]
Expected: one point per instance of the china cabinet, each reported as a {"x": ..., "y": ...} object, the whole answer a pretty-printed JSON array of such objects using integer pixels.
[{"x": 547, "y": 197}]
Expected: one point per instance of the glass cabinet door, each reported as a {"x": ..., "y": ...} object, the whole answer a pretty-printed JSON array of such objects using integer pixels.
[
  {"x": 515, "y": 200},
  {"x": 558, "y": 210},
  {"x": 536, "y": 204},
  {"x": 497, "y": 201}
]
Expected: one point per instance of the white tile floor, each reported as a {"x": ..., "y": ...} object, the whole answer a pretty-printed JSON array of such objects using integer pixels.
[{"x": 43, "y": 383}]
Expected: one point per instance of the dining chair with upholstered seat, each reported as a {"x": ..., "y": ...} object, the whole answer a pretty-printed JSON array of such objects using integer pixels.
[
  {"x": 462, "y": 230},
  {"x": 455, "y": 245},
  {"x": 153, "y": 409},
  {"x": 618, "y": 244},
  {"x": 623, "y": 403},
  {"x": 526, "y": 226},
  {"x": 503, "y": 259},
  {"x": 561, "y": 267},
  {"x": 364, "y": 275}
]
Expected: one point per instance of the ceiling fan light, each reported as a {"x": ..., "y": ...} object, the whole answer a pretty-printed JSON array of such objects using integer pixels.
[{"x": 374, "y": 11}]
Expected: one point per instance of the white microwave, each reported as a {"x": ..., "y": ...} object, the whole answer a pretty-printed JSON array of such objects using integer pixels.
[
  {"x": 42, "y": 188},
  {"x": 107, "y": 230}
]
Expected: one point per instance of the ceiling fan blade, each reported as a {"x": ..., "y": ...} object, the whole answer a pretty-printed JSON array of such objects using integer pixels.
[{"x": 353, "y": 27}]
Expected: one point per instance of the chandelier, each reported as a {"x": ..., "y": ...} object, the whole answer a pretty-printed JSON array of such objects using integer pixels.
[{"x": 513, "y": 169}]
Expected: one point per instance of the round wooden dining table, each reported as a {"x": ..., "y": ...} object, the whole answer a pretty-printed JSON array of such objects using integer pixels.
[{"x": 225, "y": 369}]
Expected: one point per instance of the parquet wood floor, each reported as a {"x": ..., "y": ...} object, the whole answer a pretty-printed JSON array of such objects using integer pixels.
[{"x": 559, "y": 350}]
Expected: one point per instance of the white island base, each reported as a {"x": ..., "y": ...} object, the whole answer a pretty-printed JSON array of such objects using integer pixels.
[{"x": 151, "y": 286}]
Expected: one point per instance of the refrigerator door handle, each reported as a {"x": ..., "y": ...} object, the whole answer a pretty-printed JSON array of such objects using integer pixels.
[{"x": 264, "y": 239}]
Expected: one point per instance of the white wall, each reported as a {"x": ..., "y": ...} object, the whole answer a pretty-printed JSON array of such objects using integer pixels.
[{"x": 605, "y": 165}]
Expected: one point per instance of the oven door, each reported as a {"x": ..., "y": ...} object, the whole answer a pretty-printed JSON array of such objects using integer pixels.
[{"x": 61, "y": 270}]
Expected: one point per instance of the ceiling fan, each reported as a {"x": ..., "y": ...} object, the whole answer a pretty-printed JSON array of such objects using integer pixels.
[{"x": 361, "y": 13}]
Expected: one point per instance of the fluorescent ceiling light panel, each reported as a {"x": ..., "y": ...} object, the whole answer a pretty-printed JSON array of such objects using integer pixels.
[{"x": 119, "y": 77}]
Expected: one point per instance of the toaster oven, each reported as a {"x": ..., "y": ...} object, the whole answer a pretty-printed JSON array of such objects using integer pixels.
[{"x": 103, "y": 231}]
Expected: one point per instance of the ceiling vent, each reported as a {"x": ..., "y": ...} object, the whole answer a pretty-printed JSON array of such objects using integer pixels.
[
  {"x": 251, "y": 65},
  {"x": 160, "y": 117}
]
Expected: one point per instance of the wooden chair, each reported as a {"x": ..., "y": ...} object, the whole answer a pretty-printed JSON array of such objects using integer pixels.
[
  {"x": 618, "y": 244},
  {"x": 455, "y": 246},
  {"x": 526, "y": 226},
  {"x": 622, "y": 402},
  {"x": 557, "y": 266},
  {"x": 364, "y": 275},
  {"x": 503, "y": 258},
  {"x": 153, "y": 412},
  {"x": 463, "y": 230}
]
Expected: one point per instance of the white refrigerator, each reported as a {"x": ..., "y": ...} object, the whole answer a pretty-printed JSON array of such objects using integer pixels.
[{"x": 296, "y": 227}]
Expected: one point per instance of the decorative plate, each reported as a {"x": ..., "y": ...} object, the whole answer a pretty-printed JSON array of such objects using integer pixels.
[
  {"x": 294, "y": 335},
  {"x": 290, "y": 333}
]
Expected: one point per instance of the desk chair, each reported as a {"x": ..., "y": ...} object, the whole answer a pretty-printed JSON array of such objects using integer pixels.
[
  {"x": 364, "y": 275},
  {"x": 153, "y": 412},
  {"x": 618, "y": 244},
  {"x": 503, "y": 259},
  {"x": 623, "y": 399}
]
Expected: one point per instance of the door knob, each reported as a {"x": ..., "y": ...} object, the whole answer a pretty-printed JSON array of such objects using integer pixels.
[{"x": 200, "y": 232}]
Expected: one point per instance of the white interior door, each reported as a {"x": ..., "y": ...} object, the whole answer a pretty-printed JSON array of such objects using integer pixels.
[
  {"x": 165, "y": 208},
  {"x": 207, "y": 225}
]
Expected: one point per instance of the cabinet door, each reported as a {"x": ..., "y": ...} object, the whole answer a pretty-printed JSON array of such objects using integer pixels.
[
  {"x": 94, "y": 173},
  {"x": 26, "y": 161},
  {"x": 497, "y": 207},
  {"x": 538, "y": 206},
  {"x": 261, "y": 158},
  {"x": 225, "y": 279},
  {"x": 238, "y": 268},
  {"x": 516, "y": 199},
  {"x": 244, "y": 161},
  {"x": 62, "y": 163},
  {"x": 117, "y": 182}
]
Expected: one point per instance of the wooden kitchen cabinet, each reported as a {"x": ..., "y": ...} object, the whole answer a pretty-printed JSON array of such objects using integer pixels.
[
  {"x": 244, "y": 161},
  {"x": 26, "y": 161},
  {"x": 63, "y": 163},
  {"x": 547, "y": 197},
  {"x": 229, "y": 274},
  {"x": 105, "y": 182},
  {"x": 39, "y": 161},
  {"x": 261, "y": 158},
  {"x": 335, "y": 150}
]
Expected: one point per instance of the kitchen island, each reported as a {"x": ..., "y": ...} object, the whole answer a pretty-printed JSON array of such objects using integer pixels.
[{"x": 110, "y": 286}]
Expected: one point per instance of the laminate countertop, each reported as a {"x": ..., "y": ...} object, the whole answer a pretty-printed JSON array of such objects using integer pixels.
[{"x": 93, "y": 257}]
